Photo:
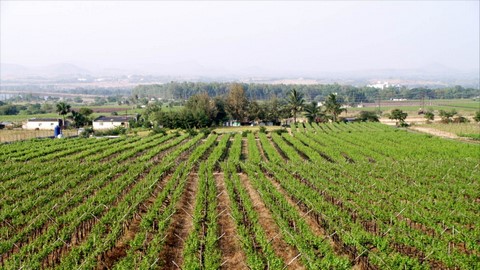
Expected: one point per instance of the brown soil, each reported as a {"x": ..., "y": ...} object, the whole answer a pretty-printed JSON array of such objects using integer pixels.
[
  {"x": 414, "y": 252},
  {"x": 171, "y": 255},
  {"x": 233, "y": 256},
  {"x": 281, "y": 248},
  {"x": 260, "y": 148},
  {"x": 244, "y": 155}
]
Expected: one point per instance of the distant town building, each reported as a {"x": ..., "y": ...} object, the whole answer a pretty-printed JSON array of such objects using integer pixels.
[
  {"x": 109, "y": 122},
  {"x": 382, "y": 85}
]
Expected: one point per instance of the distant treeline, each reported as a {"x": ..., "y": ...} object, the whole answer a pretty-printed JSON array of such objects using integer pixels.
[
  {"x": 318, "y": 92},
  {"x": 99, "y": 91}
]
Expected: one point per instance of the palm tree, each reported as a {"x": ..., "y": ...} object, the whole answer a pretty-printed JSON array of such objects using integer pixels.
[
  {"x": 295, "y": 103},
  {"x": 313, "y": 112},
  {"x": 333, "y": 106},
  {"x": 63, "y": 109}
]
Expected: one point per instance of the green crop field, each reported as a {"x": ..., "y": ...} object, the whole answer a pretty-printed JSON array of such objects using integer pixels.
[
  {"x": 328, "y": 196},
  {"x": 465, "y": 107}
]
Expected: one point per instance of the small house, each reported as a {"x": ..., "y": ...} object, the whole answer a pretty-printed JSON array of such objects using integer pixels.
[
  {"x": 43, "y": 123},
  {"x": 109, "y": 122}
]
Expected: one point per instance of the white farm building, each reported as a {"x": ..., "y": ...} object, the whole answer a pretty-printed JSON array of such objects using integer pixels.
[
  {"x": 43, "y": 123},
  {"x": 109, "y": 122}
]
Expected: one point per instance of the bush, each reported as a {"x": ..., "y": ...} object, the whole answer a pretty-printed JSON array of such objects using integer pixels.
[
  {"x": 112, "y": 132},
  {"x": 447, "y": 115},
  {"x": 477, "y": 117},
  {"x": 245, "y": 133},
  {"x": 159, "y": 130},
  {"x": 460, "y": 119},
  {"x": 206, "y": 131},
  {"x": 263, "y": 129},
  {"x": 429, "y": 115},
  {"x": 280, "y": 131},
  {"x": 86, "y": 133},
  {"x": 192, "y": 132},
  {"x": 366, "y": 116}
]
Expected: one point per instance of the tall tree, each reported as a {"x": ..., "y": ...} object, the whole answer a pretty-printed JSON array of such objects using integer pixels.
[
  {"x": 256, "y": 112},
  {"x": 447, "y": 115},
  {"x": 79, "y": 119},
  {"x": 273, "y": 110},
  {"x": 313, "y": 112},
  {"x": 63, "y": 109},
  {"x": 333, "y": 106},
  {"x": 202, "y": 108},
  {"x": 237, "y": 102},
  {"x": 295, "y": 103},
  {"x": 398, "y": 115}
]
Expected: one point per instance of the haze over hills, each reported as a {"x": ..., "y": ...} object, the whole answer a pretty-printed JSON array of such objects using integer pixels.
[{"x": 432, "y": 74}]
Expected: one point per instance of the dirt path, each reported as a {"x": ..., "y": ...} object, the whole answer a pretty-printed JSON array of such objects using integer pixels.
[
  {"x": 233, "y": 256},
  {"x": 281, "y": 248},
  {"x": 435, "y": 132},
  {"x": 172, "y": 254}
]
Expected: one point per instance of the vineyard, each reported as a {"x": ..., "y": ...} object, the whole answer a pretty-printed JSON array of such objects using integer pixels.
[{"x": 328, "y": 196}]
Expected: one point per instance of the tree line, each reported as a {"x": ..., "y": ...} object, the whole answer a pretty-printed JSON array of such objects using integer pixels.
[{"x": 345, "y": 93}]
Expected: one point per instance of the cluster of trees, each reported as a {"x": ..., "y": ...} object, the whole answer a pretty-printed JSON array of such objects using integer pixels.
[
  {"x": 34, "y": 108},
  {"x": 345, "y": 93},
  {"x": 80, "y": 118},
  {"x": 203, "y": 111}
]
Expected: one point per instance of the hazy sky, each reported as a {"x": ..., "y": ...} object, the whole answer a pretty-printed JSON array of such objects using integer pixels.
[{"x": 275, "y": 37}]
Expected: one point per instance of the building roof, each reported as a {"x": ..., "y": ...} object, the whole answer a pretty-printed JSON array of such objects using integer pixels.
[
  {"x": 43, "y": 119},
  {"x": 113, "y": 118}
]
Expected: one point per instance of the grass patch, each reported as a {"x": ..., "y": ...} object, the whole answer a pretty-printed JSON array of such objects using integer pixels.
[{"x": 475, "y": 137}]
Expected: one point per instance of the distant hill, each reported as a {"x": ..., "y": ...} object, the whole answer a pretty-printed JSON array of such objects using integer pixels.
[{"x": 12, "y": 71}]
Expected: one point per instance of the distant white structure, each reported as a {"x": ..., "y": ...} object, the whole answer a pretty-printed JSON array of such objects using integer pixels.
[
  {"x": 43, "y": 123},
  {"x": 232, "y": 123},
  {"x": 109, "y": 122},
  {"x": 382, "y": 85}
]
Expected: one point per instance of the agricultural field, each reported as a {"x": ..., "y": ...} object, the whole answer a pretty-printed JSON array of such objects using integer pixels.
[
  {"x": 465, "y": 107},
  {"x": 328, "y": 196},
  {"x": 469, "y": 130}
]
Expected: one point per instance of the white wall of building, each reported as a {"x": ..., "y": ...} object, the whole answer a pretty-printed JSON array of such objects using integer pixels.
[
  {"x": 45, "y": 125},
  {"x": 107, "y": 124}
]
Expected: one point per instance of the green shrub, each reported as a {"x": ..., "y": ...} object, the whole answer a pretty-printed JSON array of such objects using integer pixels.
[
  {"x": 111, "y": 132},
  {"x": 159, "y": 130},
  {"x": 206, "y": 131},
  {"x": 192, "y": 132},
  {"x": 245, "y": 133}
]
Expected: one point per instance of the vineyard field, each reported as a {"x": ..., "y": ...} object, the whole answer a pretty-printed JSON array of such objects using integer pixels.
[{"x": 320, "y": 196}]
